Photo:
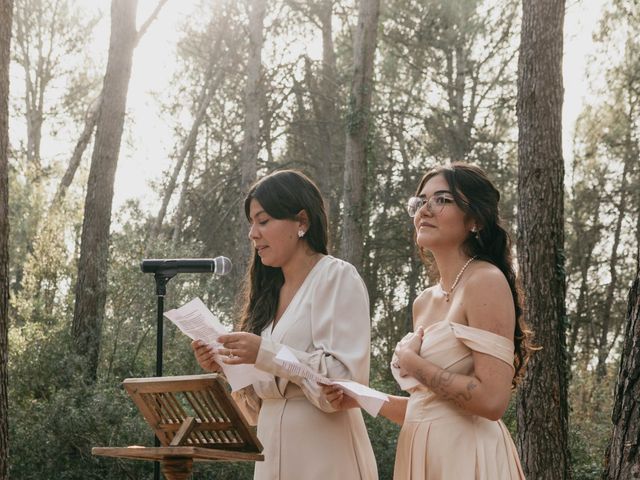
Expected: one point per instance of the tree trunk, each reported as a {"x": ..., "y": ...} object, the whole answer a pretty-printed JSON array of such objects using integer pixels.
[
  {"x": 457, "y": 71},
  {"x": 6, "y": 10},
  {"x": 623, "y": 454},
  {"x": 91, "y": 286},
  {"x": 90, "y": 123},
  {"x": 326, "y": 149},
  {"x": 542, "y": 398},
  {"x": 78, "y": 151},
  {"x": 587, "y": 243},
  {"x": 36, "y": 36},
  {"x": 604, "y": 345},
  {"x": 320, "y": 149},
  {"x": 178, "y": 218},
  {"x": 329, "y": 121},
  {"x": 355, "y": 172},
  {"x": 251, "y": 143}
]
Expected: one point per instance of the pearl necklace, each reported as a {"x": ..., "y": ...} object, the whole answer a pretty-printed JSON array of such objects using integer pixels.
[{"x": 455, "y": 282}]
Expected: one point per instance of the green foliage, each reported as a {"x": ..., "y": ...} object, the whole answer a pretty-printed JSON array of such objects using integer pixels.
[
  {"x": 444, "y": 89},
  {"x": 509, "y": 417},
  {"x": 591, "y": 401},
  {"x": 223, "y": 470},
  {"x": 57, "y": 435},
  {"x": 384, "y": 438},
  {"x": 54, "y": 418},
  {"x": 49, "y": 270},
  {"x": 26, "y": 207}
]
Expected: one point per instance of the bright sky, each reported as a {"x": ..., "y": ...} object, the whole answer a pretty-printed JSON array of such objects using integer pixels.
[
  {"x": 581, "y": 21},
  {"x": 147, "y": 155}
]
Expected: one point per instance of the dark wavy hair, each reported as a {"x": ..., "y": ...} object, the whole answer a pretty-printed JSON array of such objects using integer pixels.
[
  {"x": 478, "y": 198},
  {"x": 282, "y": 194}
]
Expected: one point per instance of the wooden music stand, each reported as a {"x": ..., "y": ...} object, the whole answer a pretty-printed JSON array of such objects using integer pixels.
[{"x": 194, "y": 418}]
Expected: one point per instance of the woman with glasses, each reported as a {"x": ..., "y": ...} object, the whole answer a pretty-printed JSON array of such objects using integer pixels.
[
  {"x": 298, "y": 296},
  {"x": 469, "y": 345}
]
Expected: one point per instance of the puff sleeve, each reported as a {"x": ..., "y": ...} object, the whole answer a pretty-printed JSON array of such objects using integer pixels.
[{"x": 340, "y": 333}]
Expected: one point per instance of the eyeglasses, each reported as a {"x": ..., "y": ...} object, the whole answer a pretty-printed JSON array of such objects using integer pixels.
[{"x": 435, "y": 204}]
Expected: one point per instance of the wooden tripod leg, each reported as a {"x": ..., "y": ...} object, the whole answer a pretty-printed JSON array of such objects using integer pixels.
[{"x": 177, "y": 468}]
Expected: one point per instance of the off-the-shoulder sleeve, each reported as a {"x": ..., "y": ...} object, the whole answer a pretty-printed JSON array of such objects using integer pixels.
[
  {"x": 486, "y": 342},
  {"x": 340, "y": 332}
]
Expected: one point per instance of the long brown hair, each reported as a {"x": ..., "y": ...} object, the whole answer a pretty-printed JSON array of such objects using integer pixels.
[
  {"x": 282, "y": 194},
  {"x": 478, "y": 198}
]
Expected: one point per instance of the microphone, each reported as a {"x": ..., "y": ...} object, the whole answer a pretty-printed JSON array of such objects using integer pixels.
[{"x": 218, "y": 265}]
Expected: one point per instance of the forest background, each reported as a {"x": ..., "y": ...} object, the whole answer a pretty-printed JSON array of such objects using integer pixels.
[{"x": 224, "y": 91}]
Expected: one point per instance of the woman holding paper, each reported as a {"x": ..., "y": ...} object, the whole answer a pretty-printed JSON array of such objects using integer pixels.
[
  {"x": 470, "y": 343},
  {"x": 317, "y": 306}
]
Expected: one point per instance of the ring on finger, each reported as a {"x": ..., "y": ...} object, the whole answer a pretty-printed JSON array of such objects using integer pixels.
[{"x": 231, "y": 355}]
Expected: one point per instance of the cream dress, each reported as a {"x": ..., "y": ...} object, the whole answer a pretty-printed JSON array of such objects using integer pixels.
[
  {"x": 327, "y": 327},
  {"x": 440, "y": 441}
]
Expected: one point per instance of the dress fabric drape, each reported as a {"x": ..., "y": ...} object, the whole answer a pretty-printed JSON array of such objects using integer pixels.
[{"x": 438, "y": 440}]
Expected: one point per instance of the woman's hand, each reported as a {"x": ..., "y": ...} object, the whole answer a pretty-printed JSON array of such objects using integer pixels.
[
  {"x": 337, "y": 398},
  {"x": 239, "y": 347},
  {"x": 407, "y": 349},
  {"x": 205, "y": 356}
]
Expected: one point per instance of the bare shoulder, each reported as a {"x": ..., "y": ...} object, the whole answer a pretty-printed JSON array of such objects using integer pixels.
[
  {"x": 422, "y": 301},
  {"x": 486, "y": 277},
  {"x": 488, "y": 302}
]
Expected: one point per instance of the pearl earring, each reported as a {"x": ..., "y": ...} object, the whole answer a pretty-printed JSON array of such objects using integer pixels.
[{"x": 301, "y": 233}]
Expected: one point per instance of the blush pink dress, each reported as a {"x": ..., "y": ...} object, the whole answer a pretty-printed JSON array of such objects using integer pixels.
[{"x": 440, "y": 441}]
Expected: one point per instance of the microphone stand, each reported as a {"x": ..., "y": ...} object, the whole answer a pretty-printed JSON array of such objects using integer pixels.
[
  {"x": 164, "y": 270},
  {"x": 161, "y": 279}
]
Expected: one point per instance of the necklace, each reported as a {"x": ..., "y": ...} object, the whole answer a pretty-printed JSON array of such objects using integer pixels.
[{"x": 455, "y": 282}]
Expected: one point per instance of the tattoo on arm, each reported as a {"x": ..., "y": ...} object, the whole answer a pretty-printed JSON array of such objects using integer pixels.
[
  {"x": 441, "y": 381},
  {"x": 466, "y": 396}
]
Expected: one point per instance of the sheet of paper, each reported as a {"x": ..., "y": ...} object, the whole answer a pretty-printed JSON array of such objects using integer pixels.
[
  {"x": 406, "y": 383},
  {"x": 287, "y": 359},
  {"x": 368, "y": 398},
  {"x": 197, "y": 322}
]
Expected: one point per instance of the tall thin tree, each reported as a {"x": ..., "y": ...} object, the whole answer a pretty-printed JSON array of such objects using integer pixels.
[
  {"x": 91, "y": 286},
  {"x": 327, "y": 144},
  {"x": 359, "y": 118},
  {"x": 209, "y": 87},
  {"x": 542, "y": 404},
  {"x": 329, "y": 124},
  {"x": 251, "y": 142},
  {"x": 623, "y": 456},
  {"x": 46, "y": 34},
  {"x": 91, "y": 117},
  {"x": 82, "y": 143},
  {"x": 6, "y": 10}
]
